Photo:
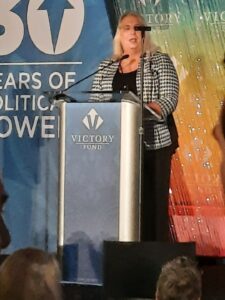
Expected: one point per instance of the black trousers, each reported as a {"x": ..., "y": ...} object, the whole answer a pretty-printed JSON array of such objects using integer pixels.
[{"x": 155, "y": 195}]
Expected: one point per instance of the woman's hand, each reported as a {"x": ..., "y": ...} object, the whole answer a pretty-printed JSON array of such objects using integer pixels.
[{"x": 155, "y": 106}]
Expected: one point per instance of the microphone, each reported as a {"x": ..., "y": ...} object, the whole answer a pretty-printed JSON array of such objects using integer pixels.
[
  {"x": 53, "y": 94},
  {"x": 142, "y": 28},
  {"x": 58, "y": 95}
]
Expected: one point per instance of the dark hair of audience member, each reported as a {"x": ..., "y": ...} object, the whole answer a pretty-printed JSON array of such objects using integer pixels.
[
  {"x": 3, "y": 195},
  {"x": 30, "y": 274},
  {"x": 180, "y": 279},
  {"x": 5, "y": 237}
]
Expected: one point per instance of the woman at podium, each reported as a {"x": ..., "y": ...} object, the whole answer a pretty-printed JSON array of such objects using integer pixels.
[{"x": 160, "y": 93}]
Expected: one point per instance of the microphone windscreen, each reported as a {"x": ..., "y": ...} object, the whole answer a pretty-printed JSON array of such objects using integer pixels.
[
  {"x": 125, "y": 56},
  {"x": 142, "y": 28}
]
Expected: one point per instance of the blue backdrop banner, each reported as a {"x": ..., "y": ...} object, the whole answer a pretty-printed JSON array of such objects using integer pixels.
[{"x": 44, "y": 46}]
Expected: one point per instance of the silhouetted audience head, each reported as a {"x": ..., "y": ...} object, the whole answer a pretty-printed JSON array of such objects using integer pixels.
[
  {"x": 3, "y": 194},
  {"x": 30, "y": 274},
  {"x": 179, "y": 279},
  {"x": 4, "y": 232},
  {"x": 219, "y": 134}
]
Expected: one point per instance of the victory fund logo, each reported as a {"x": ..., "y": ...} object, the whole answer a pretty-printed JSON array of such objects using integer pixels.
[
  {"x": 92, "y": 141},
  {"x": 55, "y": 30},
  {"x": 92, "y": 120}
]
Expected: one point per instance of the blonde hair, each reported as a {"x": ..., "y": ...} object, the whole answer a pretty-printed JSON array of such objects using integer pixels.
[
  {"x": 149, "y": 47},
  {"x": 30, "y": 274}
]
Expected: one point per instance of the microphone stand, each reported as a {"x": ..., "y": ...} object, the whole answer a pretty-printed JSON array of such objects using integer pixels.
[
  {"x": 141, "y": 132},
  {"x": 89, "y": 75},
  {"x": 95, "y": 72},
  {"x": 61, "y": 94}
]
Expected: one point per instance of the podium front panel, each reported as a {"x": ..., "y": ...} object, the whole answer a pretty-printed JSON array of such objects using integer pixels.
[{"x": 90, "y": 193}]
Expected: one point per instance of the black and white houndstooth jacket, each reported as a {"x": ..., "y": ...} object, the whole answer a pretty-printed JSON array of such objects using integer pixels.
[{"x": 160, "y": 85}]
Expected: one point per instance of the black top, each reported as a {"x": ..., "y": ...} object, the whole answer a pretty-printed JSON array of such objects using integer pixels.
[{"x": 125, "y": 82}]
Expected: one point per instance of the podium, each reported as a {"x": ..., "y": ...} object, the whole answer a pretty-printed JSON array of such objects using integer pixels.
[{"x": 98, "y": 181}]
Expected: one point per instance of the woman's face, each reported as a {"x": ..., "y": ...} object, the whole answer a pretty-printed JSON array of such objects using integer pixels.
[{"x": 129, "y": 38}]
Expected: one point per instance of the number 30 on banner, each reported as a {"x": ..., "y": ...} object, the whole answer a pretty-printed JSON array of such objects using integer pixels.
[{"x": 39, "y": 26}]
